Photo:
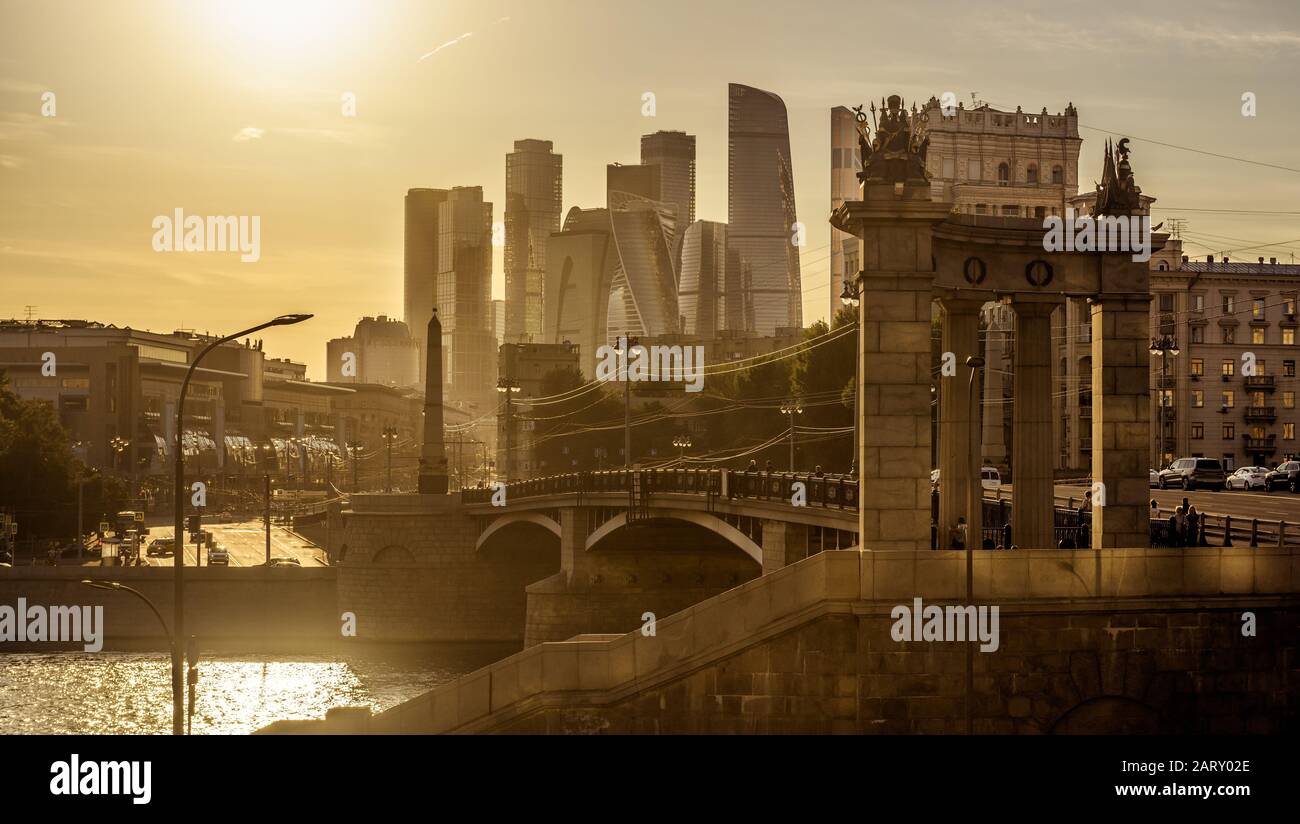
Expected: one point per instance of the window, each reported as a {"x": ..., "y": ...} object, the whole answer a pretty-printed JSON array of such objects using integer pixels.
[
  {"x": 1040, "y": 212},
  {"x": 1288, "y": 399},
  {"x": 1166, "y": 397},
  {"x": 1257, "y": 432},
  {"x": 1010, "y": 211},
  {"x": 1198, "y": 398},
  {"x": 1257, "y": 309},
  {"x": 1229, "y": 431},
  {"x": 1288, "y": 336},
  {"x": 1166, "y": 302},
  {"x": 1288, "y": 368},
  {"x": 1228, "y": 399},
  {"x": 973, "y": 170},
  {"x": 981, "y": 209},
  {"x": 1228, "y": 304},
  {"x": 1058, "y": 174},
  {"x": 1229, "y": 334},
  {"x": 1257, "y": 335},
  {"x": 1031, "y": 173},
  {"x": 1197, "y": 367},
  {"x": 1289, "y": 304},
  {"x": 1229, "y": 367},
  {"x": 1004, "y": 174},
  {"x": 1261, "y": 367},
  {"x": 1288, "y": 432},
  {"x": 1198, "y": 431},
  {"x": 1198, "y": 303},
  {"x": 1197, "y": 334},
  {"x": 1257, "y": 399}
]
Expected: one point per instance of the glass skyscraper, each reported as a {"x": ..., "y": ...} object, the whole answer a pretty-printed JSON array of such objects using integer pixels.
[
  {"x": 704, "y": 254},
  {"x": 761, "y": 291},
  {"x": 534, "y": 190}
]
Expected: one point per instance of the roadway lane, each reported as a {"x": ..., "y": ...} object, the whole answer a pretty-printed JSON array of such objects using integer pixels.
[
  {"x": 246, "y": 542},
  {"x": 1267, "y": 506}
]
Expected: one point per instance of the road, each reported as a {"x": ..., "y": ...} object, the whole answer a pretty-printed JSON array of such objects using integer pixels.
[
  {"x": 1274, "y": 506},
  {"x": 246, "y": 542}
]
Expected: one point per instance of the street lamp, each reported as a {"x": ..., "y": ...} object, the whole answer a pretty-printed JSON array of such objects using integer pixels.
[
  {"x": 509, "y": 387},
  {"x": 683, "y": 443},
  {"x": 852, "y": 296},
  {"x": 1164, "y": 346},
  {"x": 390, "y": 435},
  {"x": 354, "y": 451},
  {"x": 791, "y": 407},
  {"x": 178, "y": 503},
  {"x": 624, "y": 346},
  {"x": 974, "y": 500}
]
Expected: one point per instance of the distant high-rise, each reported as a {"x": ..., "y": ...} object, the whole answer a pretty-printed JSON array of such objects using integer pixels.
[
  {"x": 643, "y": 291},
  {"x": 420, "y": 261},
  {"x": 464, "y": 297},
  {"x": 845, "y": 163},
  {"x": 762, "y": 284},
  {"x": 704, "y": 254},
  {"x": 674, "y": 154},
  {"x": 642, "y": 180},
  {"x": 534, "y": 191},
  {"x": 580, "y": 264},
  {"x": 380, "y": 350}
]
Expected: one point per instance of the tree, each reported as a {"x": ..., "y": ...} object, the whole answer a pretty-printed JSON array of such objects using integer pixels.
[{"x": 824, "y": 379}]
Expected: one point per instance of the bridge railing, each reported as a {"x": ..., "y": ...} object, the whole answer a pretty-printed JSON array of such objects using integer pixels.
[{"x": 827, "y": 491}]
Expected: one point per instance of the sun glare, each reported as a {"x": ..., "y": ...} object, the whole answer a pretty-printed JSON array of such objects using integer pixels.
[{"x": 281, "y": 27}]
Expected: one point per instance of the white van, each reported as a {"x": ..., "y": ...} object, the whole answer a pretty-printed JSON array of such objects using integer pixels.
[{"x": 990, "y": 478}]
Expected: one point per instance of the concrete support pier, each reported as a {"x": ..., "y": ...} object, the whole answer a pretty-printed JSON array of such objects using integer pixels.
[{"x": 1032, "y": 516}]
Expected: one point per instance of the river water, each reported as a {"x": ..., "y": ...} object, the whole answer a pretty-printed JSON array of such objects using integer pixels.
[{"x": 130, "y": 693}]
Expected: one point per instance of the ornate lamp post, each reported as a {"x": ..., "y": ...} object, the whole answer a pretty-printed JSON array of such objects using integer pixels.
[
  {"x": 683, "y": 443},
  {"x": 792, "y": 407},
  {"x": 852, "y": 296},
  {"x": 509, "y": 387},
  {"x": 390, "y": 436},
  {"x": 1164, "y": 346}
]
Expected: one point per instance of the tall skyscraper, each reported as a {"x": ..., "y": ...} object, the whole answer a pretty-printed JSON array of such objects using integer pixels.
[
  {"x": 643, "y": 291},
  {"x": 762, "y": 284},
  {"x": 674, "y": 154},
  {"x": 579, "y": 268},
  {"x": 534, "y": 192},
  {"x": 465, "y": 298},
  {"x": 420, "y": 259},
  {"x": 640, "y": 180},
  {"x": 845, "y": 162},
  {"x": 704, "y": 255}
]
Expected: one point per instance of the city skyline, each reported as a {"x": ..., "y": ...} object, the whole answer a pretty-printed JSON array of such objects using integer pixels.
[{"x": 263, "y": 133}]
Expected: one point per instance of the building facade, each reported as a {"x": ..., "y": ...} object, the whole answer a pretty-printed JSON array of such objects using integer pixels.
[
  {"x": 380, "y": 350},
  {"x": 674, "y": 154},
  {"x": 762, "y": 288},
  {"x": 703, "y": 266},
  {"x": 534, "y": 195},
  {"x": 846, "y": 160},
  {"x": 420, "y": 261}
]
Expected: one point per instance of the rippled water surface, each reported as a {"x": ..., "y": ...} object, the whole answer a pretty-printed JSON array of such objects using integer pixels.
[{"x": 123, "y": 692}]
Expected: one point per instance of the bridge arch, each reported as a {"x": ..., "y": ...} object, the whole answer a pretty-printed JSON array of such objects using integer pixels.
[
  {"x": 712, "y": 523},
  {"x": 501, "y": 523}
]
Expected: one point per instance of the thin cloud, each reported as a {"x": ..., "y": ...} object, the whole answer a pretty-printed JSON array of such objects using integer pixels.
[
  {"x": 449, "y": 43},
  {"x": 248, "y": 133}
]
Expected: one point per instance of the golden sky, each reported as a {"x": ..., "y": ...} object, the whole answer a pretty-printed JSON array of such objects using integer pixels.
[{"x": 235, "y": 108}]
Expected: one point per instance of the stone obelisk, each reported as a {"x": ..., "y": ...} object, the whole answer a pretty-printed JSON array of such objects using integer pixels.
[{"x": 433, "y": 455}]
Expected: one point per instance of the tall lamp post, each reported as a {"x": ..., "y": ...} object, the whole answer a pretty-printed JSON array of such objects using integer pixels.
[
  {"x": 792, "y": 407},
  {"x": 390, "y": 435},
  {"x": 683, "y": 443},
  {"x": 624, "y": 347},
  {"x": 1164, "y": 346},
  {"x": 354, "y": 453},
  {"x": 509, "y": 387},
  {"x": 974, "y": 499},
  {"x": 178, "y": 504},
  {"x": 852, "y": 296}
]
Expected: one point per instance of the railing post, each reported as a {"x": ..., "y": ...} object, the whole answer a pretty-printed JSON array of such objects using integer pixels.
[
  {"x": 1254, "y": 531},
  {"x": 1227, "y": 530}
]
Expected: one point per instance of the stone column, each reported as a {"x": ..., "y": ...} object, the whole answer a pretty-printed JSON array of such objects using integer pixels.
[
  {"x": 957, "y": 416},
  {"x": 1032, "y": 509},
  {"x": 1121, "y": 424},
  {"x": 998, "y": 330},
  {"x": 573, "y": 543},
  {"x": 783, "y": 544}
]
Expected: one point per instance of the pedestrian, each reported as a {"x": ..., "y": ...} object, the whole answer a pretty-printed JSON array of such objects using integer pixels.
[
  {"x": 1179, "y": 522},
  {"x": 1193, "y": 527},
  {"x": 753, "y": 466},
  {"x": 768, "y": 467},
  {"x": 817, "y": 470},
  {"x": 957, "y": 535}
]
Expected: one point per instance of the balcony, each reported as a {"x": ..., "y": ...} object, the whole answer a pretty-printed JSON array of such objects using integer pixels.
[
  {"x": 1265, "y": 382},
  {"x": 1260, "y": 444},
  {"x": 1261, "y": 414}
]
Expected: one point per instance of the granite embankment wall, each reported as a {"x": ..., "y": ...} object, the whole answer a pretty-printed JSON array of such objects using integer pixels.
[
  {"x": 1140, "y": 640},
  {"x": 248, "y": 608}
]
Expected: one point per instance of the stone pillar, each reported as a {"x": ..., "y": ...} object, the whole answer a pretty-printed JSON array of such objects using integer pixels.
[
  {"x": 957, "y": 416},
  {"x": 996, "y": 365},
  {"x": 1032, "y": 508},
  {"x": 573, "y": 544},
  {"x": 1121, "y": 424},
  {"x": 783, "y": 544}
]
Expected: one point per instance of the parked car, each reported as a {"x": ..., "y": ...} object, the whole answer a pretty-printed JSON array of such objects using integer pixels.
[
  {"x": 1153, "y": 479},
  {"x": 218, "y": 555},
  {"x": 990, "y": 478},
  {"x": 1194, "y": 473},
  {"x": 1249, "y": 477},
  {"x": 161, "y": 546},
  {"x": 1286, "y": 476},
  {"x": 284, "y": 562}
]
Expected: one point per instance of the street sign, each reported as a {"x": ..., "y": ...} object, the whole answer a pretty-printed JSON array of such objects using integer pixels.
[{"x": 103, "y": 526}]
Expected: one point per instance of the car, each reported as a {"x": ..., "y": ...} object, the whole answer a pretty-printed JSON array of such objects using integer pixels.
[
  {"x": 1194, "y": 473},
  {"x": 160, "y": 546},
  {"x": 1286, "y": 476},
  {"x": 1248, "y": 477},
  {"x": 1153, "y": 478},
  {"x": 990, "y": 479},
  {"x": 284, "y": 562},
  {"x": 218, "y": 555}
]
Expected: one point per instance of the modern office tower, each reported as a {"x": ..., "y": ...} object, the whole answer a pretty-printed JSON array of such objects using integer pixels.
[
  {"x": 704, "y": 255},
  {"x": 379, "y": 351},
  {"x": 534, "y": 191},
  {"x": 846, "y": 161},
  {"x": 465, "y": 298},
  {"x": 420, "y": 259},
  {"x": 761, "y": 215},
  {"x": 674, "y": 154},
  {"x": 643, "y": 181},
  {"x": 643, "y": 291},
  {"x": 499, "y": 320},
  {"x": 579, "y": 268}
]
